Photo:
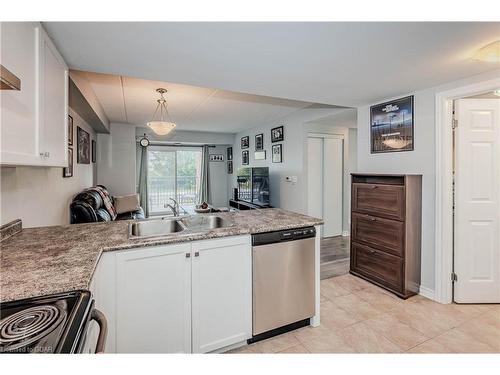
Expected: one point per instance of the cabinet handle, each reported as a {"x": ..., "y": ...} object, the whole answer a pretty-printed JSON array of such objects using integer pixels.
[
  {"x": 188, "y": 255},
  {"x": 374, "y": 187},
  {"x": 197, "y": 254},
  {"x": 45, "y": 155},
  {"x": 373, "y": 219}
]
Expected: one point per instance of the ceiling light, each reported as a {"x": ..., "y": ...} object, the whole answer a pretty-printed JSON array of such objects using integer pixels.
[
  {"x": 496, "y": 92},
  {"x": 489, "y": 53},
  {"x": 161, "y": 123}
]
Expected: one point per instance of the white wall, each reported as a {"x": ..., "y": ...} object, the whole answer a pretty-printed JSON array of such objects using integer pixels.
[
  {"x": 218, "y": 178},
  {"x": 40, "y": 196},
  {"x": 183, "y": 136},
  {"x": 116, "y": 156},
  {"x": 284, "y": 194},
  {"x": 422, "y": 161}
]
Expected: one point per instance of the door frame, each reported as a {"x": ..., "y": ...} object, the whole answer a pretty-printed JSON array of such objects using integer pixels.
[
  {"x": 444, "y": 183},
  {"x": 332, "y": 136}
]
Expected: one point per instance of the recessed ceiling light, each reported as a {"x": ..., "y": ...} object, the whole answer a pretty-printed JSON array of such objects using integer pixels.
[{"x": 489, "y": 53}]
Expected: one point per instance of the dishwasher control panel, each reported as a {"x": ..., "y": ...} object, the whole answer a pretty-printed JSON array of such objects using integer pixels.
[{"x": 283, "y": 235}]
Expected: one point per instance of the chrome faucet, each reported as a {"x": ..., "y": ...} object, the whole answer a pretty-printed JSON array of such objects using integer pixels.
[{"x": 175, "y": 207}]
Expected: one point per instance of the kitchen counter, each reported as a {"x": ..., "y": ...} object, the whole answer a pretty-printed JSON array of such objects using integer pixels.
[{"x": 47, "y": 260}]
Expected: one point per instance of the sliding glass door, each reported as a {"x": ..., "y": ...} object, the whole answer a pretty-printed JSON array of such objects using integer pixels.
[{"x": 173, "y": 172}]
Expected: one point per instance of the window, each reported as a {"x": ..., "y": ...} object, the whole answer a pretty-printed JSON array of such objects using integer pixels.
[{"x": 173, "y": 172}]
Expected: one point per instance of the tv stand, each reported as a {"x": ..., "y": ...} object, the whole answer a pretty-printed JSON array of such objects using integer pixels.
[{"x": 242, "y": 205}]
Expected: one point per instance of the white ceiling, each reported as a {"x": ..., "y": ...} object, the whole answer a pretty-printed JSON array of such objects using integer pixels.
[
  {"x": 342, "y": 63},
  {"x": 133, "y": 100}
]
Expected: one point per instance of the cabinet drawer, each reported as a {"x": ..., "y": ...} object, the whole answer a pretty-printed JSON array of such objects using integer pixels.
[
  {"x": 383, "y": 268},
  {"x": 381, "y": 200},
  {"x": 378, "y": 232}
]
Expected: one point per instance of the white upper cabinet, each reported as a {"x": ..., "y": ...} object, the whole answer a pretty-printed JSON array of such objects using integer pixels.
[
  {"x": 33, "y": 119},
  {"x": 53, "y": 104}
]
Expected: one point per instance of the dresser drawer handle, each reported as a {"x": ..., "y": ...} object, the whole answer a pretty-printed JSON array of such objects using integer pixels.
[
  {"x": 372, "y": 252},
  {"x": 373, "y": 219},
  {"x": 374, "y": 187}
]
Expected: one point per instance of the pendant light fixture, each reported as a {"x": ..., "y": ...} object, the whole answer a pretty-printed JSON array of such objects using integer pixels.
[{"x": 161, "y": 123}]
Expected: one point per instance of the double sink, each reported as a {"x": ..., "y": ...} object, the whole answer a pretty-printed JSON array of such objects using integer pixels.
[{"x": 166, "y": 226}]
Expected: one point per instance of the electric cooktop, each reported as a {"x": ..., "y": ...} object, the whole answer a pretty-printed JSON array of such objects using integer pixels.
[{"x": 48, "y": 324}]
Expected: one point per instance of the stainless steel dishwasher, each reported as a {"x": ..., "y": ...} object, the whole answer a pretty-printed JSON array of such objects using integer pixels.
[{"x": 283, "y": 281}]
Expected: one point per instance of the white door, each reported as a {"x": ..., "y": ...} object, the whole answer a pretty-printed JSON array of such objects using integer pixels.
[
  {"x": 333, "y": 183},
  {"x": 222, "y": 293},
  {"x": 325, "y": 182},
  {"x": 477, "y": 208},
  {"x": 153, "y": 303}
]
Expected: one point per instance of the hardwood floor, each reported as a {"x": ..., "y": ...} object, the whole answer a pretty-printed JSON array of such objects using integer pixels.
[
  {"x": 334, "y": 256},
  {"x": 359, "y": 317}
]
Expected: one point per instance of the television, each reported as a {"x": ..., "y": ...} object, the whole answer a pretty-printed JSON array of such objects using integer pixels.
[{"x": 253, "y": 185}]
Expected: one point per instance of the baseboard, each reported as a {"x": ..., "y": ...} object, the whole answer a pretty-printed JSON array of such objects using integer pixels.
[
  {"x": 345, "y": 233},
  {"x": 427, "y": 293}
]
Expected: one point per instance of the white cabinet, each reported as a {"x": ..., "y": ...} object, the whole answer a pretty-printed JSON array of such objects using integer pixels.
[
  {"x": 34, "y": 119},
  {"x": 153, "y": 300},
  {"x": 103, "y": 288},
  {"x": 222, "y": 293},
  {"x": 53, "y": 104},
  {"x": 182, "y": 298}
]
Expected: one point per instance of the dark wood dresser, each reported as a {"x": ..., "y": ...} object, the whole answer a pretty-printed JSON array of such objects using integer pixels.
[{"x": 386, "y": 216}]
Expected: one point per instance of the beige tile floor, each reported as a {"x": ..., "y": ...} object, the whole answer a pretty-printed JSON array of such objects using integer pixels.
[{"x": 358, "y": 317}]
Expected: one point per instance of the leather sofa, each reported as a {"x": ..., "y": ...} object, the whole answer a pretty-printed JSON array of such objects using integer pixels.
[{"x": 95, "y": 204}]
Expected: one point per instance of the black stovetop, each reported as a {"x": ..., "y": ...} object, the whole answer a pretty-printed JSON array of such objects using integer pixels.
[{"x": 47, "y": 324}]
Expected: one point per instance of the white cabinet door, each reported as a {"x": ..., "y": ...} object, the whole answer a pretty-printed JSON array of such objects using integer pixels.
[
  {"x": 18, "y": 109},
  {"x": 153, "y": 300},
  {"x": 103, "y": 288},
  {"x": 53, "y": 108},
  {"x": 222, "y": 293}
]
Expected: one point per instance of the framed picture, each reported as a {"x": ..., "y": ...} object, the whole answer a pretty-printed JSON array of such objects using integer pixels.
[
  {"x": 277, "y": 134},
  {"x": 216, "y": 157},
  {"x": 229, "y": 153},
  {"x": 259, "y": 142},
  {"x": 68, "y": 171},
  {"x": 83, "y": 143},
  {"x": 230, "y": 167},
  {"x": 277, "y": 153},
  {"x": 245, "y": 142},
  {"x": 260, "y": 155},
  {"x": 244, "y": 157},
  {"x": 70, "y": 130},
  {"x": 391, "y": 126},
  {"x": 94, "y": 151}
]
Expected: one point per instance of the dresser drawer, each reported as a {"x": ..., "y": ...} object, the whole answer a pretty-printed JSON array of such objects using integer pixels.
[
  {"x": 381, "y": 233},
  {"x": 380, "y": 200},
  {"x": 383, "y": 268}
]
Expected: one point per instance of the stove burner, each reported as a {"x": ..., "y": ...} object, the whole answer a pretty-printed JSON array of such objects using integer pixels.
[{"x": 29, "y": 325}]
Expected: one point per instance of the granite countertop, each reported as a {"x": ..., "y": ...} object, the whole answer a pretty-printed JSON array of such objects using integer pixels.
[{"x": 47, "y": 260}]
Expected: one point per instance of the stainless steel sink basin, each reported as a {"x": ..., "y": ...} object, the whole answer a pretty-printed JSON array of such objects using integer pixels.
[
  {"x": 205, "y": 222},
  {"x": 154, "y": 228}
]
